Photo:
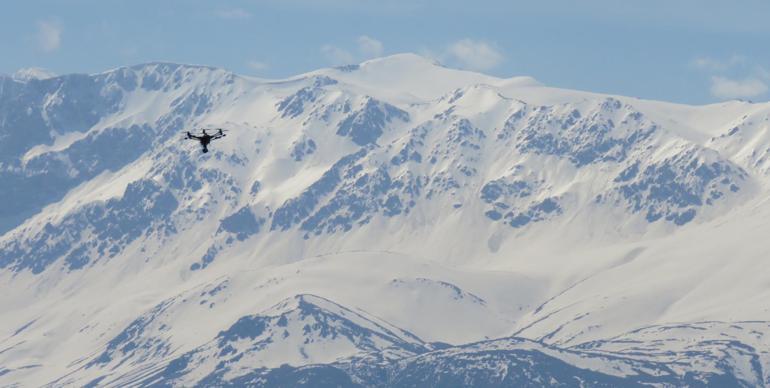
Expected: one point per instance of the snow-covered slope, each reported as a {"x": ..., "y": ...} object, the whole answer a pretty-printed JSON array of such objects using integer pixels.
[{"x": 434, "y": 207}]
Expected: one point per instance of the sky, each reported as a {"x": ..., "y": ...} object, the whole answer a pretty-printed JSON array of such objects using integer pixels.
[{"x": 688, "y": 51}]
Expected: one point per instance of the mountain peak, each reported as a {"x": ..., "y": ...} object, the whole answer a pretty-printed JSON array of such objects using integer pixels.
[
  {"x": 408, "y": 74},
  {"x": 407, "y": 58},
  {"x": 31, "y": 73},
  {"x": 301, "y": 330},
  {"x": 302, "y": 301},
  {"x": 312, "y": 305},
  {"x": 162, "y": 68},
  {"x": 171, "y": 66}
]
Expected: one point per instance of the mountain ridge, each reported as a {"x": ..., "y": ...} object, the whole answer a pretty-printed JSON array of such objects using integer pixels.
[{"x": 456, "y": 206}]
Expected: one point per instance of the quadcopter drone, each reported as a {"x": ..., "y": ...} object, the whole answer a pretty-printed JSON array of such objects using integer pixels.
[{"x": 204, "y": 138}]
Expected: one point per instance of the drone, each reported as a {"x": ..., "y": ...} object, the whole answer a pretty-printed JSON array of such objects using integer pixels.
[{"x": 204, "y": 138}]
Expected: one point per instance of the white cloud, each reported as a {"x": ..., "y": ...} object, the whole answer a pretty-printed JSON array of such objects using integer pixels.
[
  {"x": 370, "y": 47},
  {"x": 763, "y": 73},
  {"x": 475, "y": 55},
  {"x": 726, "y": 88},
  {"x": 336, "y": 55},
  {"x": 367, "y": 48},
  {"x": 467, "y": 53},
  {"x": 258, "y": 65},
  {"x": 430, "y": 54},
  {"x": 48, "y": 35},
  {"x": 735, "y": 77},
  {"x": 129, "y": 51},
  {"x": 711, "y": 64},
  {"x": 234, "y": 14}
]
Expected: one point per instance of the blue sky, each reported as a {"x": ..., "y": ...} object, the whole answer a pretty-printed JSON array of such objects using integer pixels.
[{"x": 691, "y": 51}]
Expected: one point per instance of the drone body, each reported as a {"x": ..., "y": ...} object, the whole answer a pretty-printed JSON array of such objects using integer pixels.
[{"x": 205, "y": 139}]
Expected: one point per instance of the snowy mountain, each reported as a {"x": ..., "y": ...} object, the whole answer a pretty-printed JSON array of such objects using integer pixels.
[{"x": 393, "y": 223}]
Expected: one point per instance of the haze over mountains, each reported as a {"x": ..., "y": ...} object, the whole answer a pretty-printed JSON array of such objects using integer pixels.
[{"x": 393, "y": 223}]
